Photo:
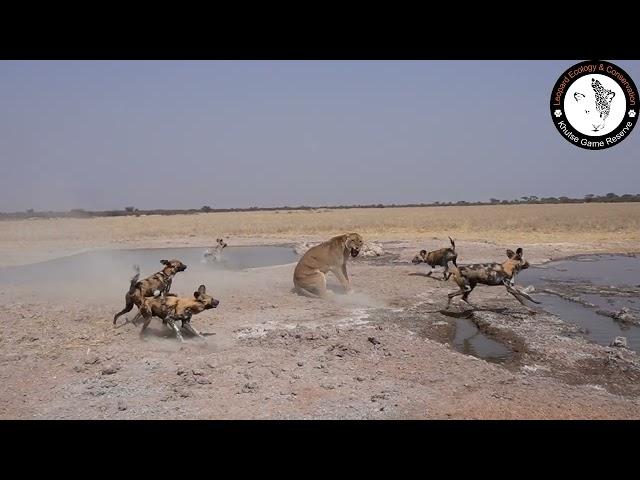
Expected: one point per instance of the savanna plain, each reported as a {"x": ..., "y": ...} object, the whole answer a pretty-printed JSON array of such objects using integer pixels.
[{"x": 383, "y": 352}]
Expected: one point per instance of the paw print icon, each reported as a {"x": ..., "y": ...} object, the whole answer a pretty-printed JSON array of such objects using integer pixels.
[
  {"x": 558, "y": 113},
  {"x": 632, "y": 113}
]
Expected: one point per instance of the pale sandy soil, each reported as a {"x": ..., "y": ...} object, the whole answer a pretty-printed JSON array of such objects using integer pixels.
[{"x": 274, "y": 354}]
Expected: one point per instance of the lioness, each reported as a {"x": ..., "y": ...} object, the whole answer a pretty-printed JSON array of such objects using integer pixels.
[{"x": 331, "y": 256}]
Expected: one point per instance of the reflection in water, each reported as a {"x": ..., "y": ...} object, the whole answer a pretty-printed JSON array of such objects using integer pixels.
[
  {"x": 471, "y": 341},
  {"x": 608, "y": 279}
]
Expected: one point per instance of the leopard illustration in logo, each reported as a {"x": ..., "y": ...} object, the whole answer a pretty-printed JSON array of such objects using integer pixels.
[{"x": 596, "y": 112}]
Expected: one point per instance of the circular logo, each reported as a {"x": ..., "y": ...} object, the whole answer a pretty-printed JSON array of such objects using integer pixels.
[{"x": 594, "y": 105}]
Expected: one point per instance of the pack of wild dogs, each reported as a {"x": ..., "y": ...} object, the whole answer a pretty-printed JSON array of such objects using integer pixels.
[{"x": 153, "y": 298}]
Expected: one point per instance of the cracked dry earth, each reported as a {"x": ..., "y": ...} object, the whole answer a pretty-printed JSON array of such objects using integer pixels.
[{"x": 383, "y": 352}]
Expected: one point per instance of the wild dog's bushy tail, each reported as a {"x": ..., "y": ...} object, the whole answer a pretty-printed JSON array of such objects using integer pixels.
[
  {"x": 134, "y": 279},
  {"x": 453, "y": 244}
]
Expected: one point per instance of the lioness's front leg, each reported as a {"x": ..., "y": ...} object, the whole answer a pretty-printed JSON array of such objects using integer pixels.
[{"x": 343, "y": 277}]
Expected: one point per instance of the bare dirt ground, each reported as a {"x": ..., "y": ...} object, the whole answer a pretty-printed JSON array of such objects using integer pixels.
[{"x": 381, "y": 353}]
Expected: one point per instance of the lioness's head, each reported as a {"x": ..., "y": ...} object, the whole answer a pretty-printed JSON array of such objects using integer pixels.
[{"x": 353, "y": 243}]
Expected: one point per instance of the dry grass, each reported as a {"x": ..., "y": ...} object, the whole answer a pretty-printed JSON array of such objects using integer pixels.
[{"x": 530, "y": 223}]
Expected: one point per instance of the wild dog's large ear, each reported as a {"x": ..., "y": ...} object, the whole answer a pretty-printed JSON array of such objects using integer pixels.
[
  {"x": 423, "y": 252},
  {"x": 519, "y": 252},
  {"x": 202, "y": 289},
  {"x": 578, "y": 96},
  {"x": 165, "y": 262},
  {"x": 510, "y": 253}
]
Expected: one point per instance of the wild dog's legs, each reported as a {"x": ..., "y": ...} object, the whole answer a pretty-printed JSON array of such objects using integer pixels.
[
  {"x": 172, "y": 324},
  {"x": 513, "y": 290},
  {"x": 129, "y": 305},
  {"x": 515, "y": 295},
  {"x": 465, "y": 290},
  {"x": 446, "y": 274},
  {"x": 468, "y": 289},
  {"x": 147, "y": 320},
  {"x": 191, "y": 329},
  {"x": 137, "y": 317},
  {"x": 185, "y": 318},
  {"x": 452, "y": 295}
]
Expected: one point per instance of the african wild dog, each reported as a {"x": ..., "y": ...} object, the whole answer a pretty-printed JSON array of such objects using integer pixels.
[
  {"x": 215, "y": 253},
  {"x": 175, "y": 308},
  {"x": 158, "y": 282},
  {"x": 438, "y": 258},
  {"x": 493, "y": 274}
]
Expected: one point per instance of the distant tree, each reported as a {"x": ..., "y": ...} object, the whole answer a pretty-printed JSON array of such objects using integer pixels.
[
  {"x": 30, "y": 210},
  {"x": 130, "y": 209},
  {"x": 206, "y": 208},
  {"x": 494, "y": 201},
  {"x": 611, "y": 195}
]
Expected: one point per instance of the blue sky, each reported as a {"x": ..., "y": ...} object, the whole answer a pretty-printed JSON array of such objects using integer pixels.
[{"x": 183, "y": 134}]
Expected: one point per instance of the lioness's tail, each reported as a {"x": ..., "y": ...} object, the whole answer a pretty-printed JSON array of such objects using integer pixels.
[
  {"x": 453, "y": 244},
  {"x": 134, "y": 279}
]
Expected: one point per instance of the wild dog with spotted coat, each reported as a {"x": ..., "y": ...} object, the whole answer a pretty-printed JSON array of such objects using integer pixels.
[
  {"x": 438, "y": 258},
  {"x": 493, "y": 274},
  {"x": 158, "y": 282},
  {"x": 215, "y": 253},
  {"x": 174, "y": 308}
]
